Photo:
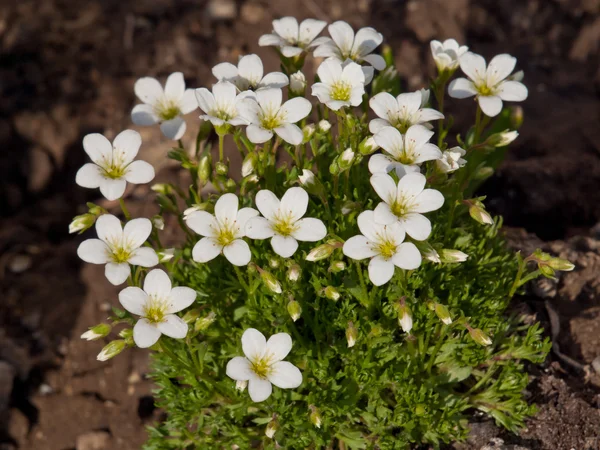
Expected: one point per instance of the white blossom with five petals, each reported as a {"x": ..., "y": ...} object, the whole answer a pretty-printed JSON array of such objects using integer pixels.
[
  {"x": 489, "y": 84},
  {"x": 248, "y": 74},
  {"x": 406, "y": 202},
  {"x": 156, "y": 305},
  {"x": 293, "y": 39},
  {"x": 341, "y": 85},
  {"x": 384, "y": 245},
  {"x": 112, "y": 164},
  {"x": 401, "y": 112},
  {"x": 118, "y": 247},
  {"x": 267, "y": 115},
  {"x": 164, "y": 106},
  {"x": 283, "y": 221},
  {"x": 263, "y": 365},
  {"x": 403, "y": 153},
  {"x": 221, "y": 106},
  {"x": 447, "y": 54},
  {"x": 344, "y": 44},
  {"x": 223, "y": 231}
]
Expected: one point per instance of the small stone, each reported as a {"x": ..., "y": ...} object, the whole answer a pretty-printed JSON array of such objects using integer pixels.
[
  {"x": 94, "y": 440},
  {"x": 20, "y": 263},
  {"x": 222, "y": 9}
]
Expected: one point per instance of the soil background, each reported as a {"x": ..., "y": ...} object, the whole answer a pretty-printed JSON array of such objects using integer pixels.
[{"x": 67, "y": 68}]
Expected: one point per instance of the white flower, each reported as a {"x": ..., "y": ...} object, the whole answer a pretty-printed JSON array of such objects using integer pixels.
[
  {"x": 293, "y": 39},
  {"x": 324, "y": 125},
  {"x": 263, "y": 364},
  {"x": 405, "y": 203},
  {"x": 157, "y": 304},
  {"x": 297, "y": 83},
  {"x": 488, "y": 84},
  {"x": 345, "y": 45},
  {"x": 223, "y": 231},
  {"x": 447, "y": 54},
  {"x": 118, "y": 247},
  {"x": 403, "y": 153},
  {"x": 164, "y": 106},
  {"x": 113, "y": 165},
  {"x": 341, "y": 85},
  {"x": 307, "y": 179},
  {"x": 267, "y": 115},
  {"x": 347, "y": 157},
  {"x": 283, "y": 221},
  {"x": 221, "y": 105},
  {"x": 384, "y": 245},
  {"x": 451, "y": 160},
  {"x": 249, "y": 74},
  {"x": 401, "y": 112}
]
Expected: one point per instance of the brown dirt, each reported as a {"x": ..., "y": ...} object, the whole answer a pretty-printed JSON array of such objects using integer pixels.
[{"x": 67, "y": 68}]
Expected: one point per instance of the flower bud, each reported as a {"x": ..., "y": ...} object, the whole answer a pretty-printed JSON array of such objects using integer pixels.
[
  {"x": 162, "y": 188},
  {"x": 297, "y": 83},
  {"x": 127, "y": 334},
  {"x": 315, "y": 416},
  {"x": 442, "y": 312},
  {"x": 165, "y": 255},
  {"x": 337, "y": 266},
  {"x": 346, "y": 159},
  {"x": 82, "y": 223},
  {"x": 483, "y": 173},
  {"x": 271, "y": 429},
  {"x": 428, "y": 251},
  {"x": 111, "y": 350},
  {"x": 203, "y": 323},
  {"x": 249, "y": 164},
  {"x": 307, "y": 132},
  {"x": 294, "y": 309},
  {"x": 270, "y": 281},
  {"x": 451, "y": 160},
  {"x": 324, "y": 126},
  {"x": 204, "y": 169},
  {"x": 230, "y": 185},
  {"x": 191, "y": 315},
  {"x": 221, "y": 168},
  {"x": 273, "y": 263},
  {"x": 516, "y": 116},
  {"x": 311, "y": 183},
  {"x": 332, "y": 293},
  {"x": 452, "y": 256},
  {"x": 96, "y": 332},
  {"x": 334, "y": 167},
  {"x": 320, "y": 252},
  {"x": 368, "y": 146},
  {"x": 561, "y": 264},
  {"x": 478, "y": 212},
  {"x": 241, "y": 385},
  {"x": 479, "y": 336},
  {"x": 348, "y": 207},
  {"x": 502, "y": 139},
  {"x": 517, "y": 76},
  {"x": 158, "y": 222},
  {"x": 351, "y": 334},
  {"x": 293, "y": 273},
  {"x": 404, "y": 317}
]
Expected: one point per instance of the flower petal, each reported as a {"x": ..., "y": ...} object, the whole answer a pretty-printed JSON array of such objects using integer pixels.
[
  {"x": 285, "y": 375},
  {"x": 226, "y": 208},
  {"x": 295, "y": 109},
  {"x": 309, "y": 29},
  {"x": 239, "y": 369},
  {"x": 98, "y": 148},
  {"x": 148, "y": 90},
  {"x": 173, "y": 129},
  {"x": 109, "y": 229},
  {"x": 117, "y": 273},
  {"x": 369, "y": 227},
  {"x": 294, "y": 203},
  {"x": 411, "y": 185},
  {"x": 248, "y": 107},
  {"x": 384, "y": 215},
  {"x": 254, "y": 344},
  {"x": 427, "y": 152},
  {"x": 473, "y": 66},
  {"x": 309, "y": 230},
  {"x": 289, "y": 51},
  {"x": 269, "y": 39},
  {"x": 269, "y": 99},
  {"x": 145, "y": 334},
  {"x": 407, "y": 256},
  {"x": 380, "y": 270},
  {"x": 409, "y": 102},
  {"x": 416, "y": 226},
  {"x": 367, "y": 39},
  {"x": 259, "y": 389},
  {"x": 243, "y": 216},
  {"x": 136, "y": 232},
  {"x": 490, "y": 105},
  {"x": 206, "y": 100},
  {"x": 139, "y": 172},
  {"x": 384, "y": 105},
  {"x": 93, "y": 251},
  {"x": 274, "y": 80},
  {"x": 175, "y": 86},
  {"x": 267, "y": 203},
  {"x": 126, "y": 145},
  {"x": 358, "y": 247},
  {"x": 203, "y": 223},
  {"x": 500, "y": 67},
  {"x": 279, "y": 346},
  {"x": 461, "y": 88},
  {"x": 512, "y": 91},
  {"x": 343, "y": 35},
  {"x": 258, "y": 135},
  {"x": 157, "y": 283},
  {"x": 188, "y": 102},
  {"x": 329, "y": 71},
  {"x": 143, "y": 115},
  {"x": 287, "y": 28},
  {"x": 112, "y": 189},
  {"x": 181, "y": 298},
  {"x": 390, "y": 139},
  {"x": 377, "y": 125},
  {"x": 224, "y": 92},
  {"x": 428, "y": 200},
  {"x": 259, "y": 228},
  {"x": 206, "y": 249},
  {"x": 173, "y": 326},
  {"x": 380, "y": 163},
  {"x": 250, "y": 67},
  {"x": 376, "y": 61},
  {"x": 284, "y": 246},
  {"x": 385, "y": 187},
  {"x": 144, "y": 256},
  {"x": 89, "y": 176},
  {"x": 134, "y": 300},
  {"x": 290, "y": 133},
  {"x": 237, "y": 253}
]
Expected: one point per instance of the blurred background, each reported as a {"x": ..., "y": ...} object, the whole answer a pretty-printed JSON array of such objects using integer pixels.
[{"x": 67, "y": 68}]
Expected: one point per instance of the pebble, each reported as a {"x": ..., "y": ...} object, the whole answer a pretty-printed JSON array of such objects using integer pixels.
[{"x": 222, "y": 9}]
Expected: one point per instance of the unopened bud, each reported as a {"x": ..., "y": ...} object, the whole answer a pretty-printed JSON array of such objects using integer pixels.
[
  {"x": 320, "y": 252},
  {"x": 346, "y": 159},
  {"x": 404, "y": 317},
  {"x": 307, "y": 132},
  {"x": 348, "y": 207},
  {"x": 315, "y": 416},
  {"x": 294, "y": 309},
  {"x": 271, "y": 429},
  {"x": 478, "y": 212},
  {"x": 293, "y": 273},
  {"x": 165, "y": 255},
  {"x": 368, "y": 146},
  {"x": 502, "y": 139},
  {"x": 442, "y": 312},
  {"x": 111, "y": 350},
  {"x": 452, "y": 256},
  {"x": 221, "y": 168},
  {"x": 334, "y": 167},
  {"x": 158, "y": 222},
  {"x": 324, "y": 125},
  {"x": 337, "y": 266},
  {"x": 127, "y": 334},
  {"x": 204, "y": 169},
  {"x": 203, "y": 323},
  {"x": 249, "y": 164},
  {"x": 311, "y": 183},
  {"x": 270, "y": 281},
  {"x": 516, "y": 117},
  {"x": 162, "y": 188},
  {"x": 332, "y": 293},
  {"x": 351, "y": 334},
  {"x": 241, "y": 385},
  {"x": 191, "y": 315},
  {"x": 297, "y": 83},
  {"x": 561, "y": 264},
  {"x": 479, "y": 336},
  {"x": 428, "y": 251},
  {"x": 96, "y": 332},
  {"x": 483, "y": 173},
  {"x": 82, "y": 223}
]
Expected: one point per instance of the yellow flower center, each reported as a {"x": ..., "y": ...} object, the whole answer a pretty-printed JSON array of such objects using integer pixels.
[
  {"x": 262, "y": 366},
  {"x": 485, "y": 90},
  {"x": 226, "y": 235},
  {"x": 169, "y": 113},
  {"x": 120, "y": 254},
  {"x": 155, "y": 310},
  {"x": 284, "y": 226},
  {"x": 114, "y": 171},
  {"x": 399, "y": 208},
  {"x": 341, "y": 90},
  {"x": 386, "y": 248},
  {"x": 270, "y": 120}
]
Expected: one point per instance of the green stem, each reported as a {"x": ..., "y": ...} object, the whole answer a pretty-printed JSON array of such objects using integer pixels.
[
  {"x": 221, "y": 141},
  {"x": 483, "y": 379},
  {"x": 517, "y": 281},
  {"x": 437, "y": 348},
  {"x": 167, "y": 349},
  {"x": 180, "y": 142},
  {"x": 361, "y": 279},
  {"x": 124, "y": 209},
  {"x": 477, "y": 125},
  {"x": 240, "y": 277}
]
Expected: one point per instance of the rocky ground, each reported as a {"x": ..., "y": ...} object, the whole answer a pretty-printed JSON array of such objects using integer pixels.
[{"x": 67, "y": 68}]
